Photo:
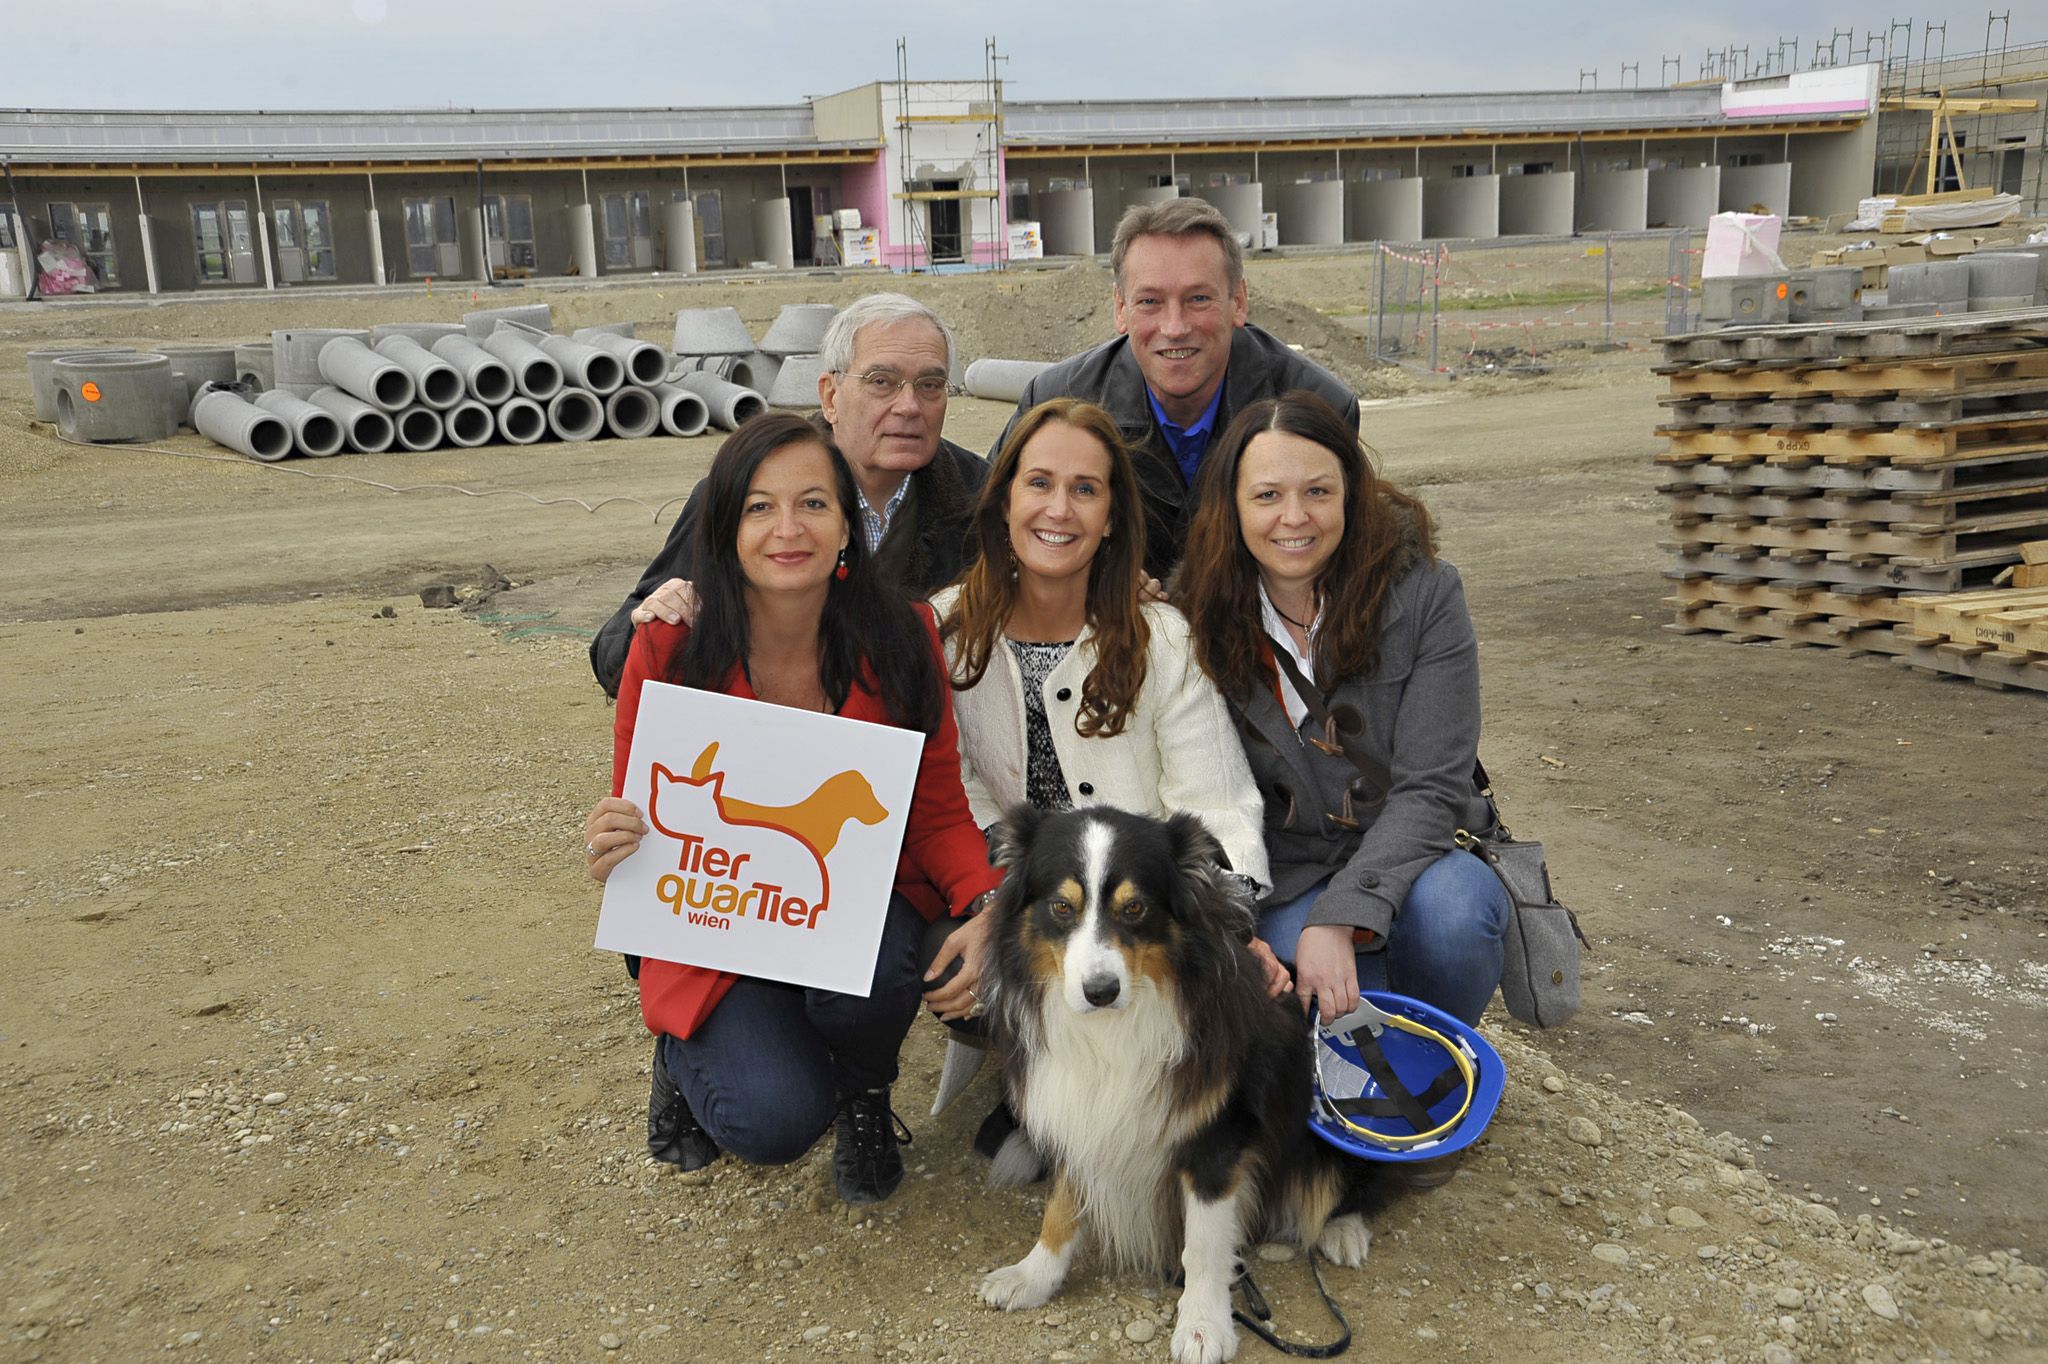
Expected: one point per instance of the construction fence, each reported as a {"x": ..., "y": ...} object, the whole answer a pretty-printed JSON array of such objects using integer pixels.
[{"x": 1527, "y": 304}]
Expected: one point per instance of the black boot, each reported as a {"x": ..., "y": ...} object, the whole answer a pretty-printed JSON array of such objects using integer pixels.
[
  {"x": 673, "y": 1134},
  {"x": 866, "y": 1164}
]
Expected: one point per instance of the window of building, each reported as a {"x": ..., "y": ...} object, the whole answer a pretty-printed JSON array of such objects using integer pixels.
[
  {"x": 90, "y": 228},
  {"x": 304, "y": 239},
  {"x": 224, "y": 242},
  {"x": 430, "y": 237},
  {"x": 508, "y": 222},
  {"x": 1019, "y": 192},
  {"x": 1746, "y": 159},
  {"x": 710, "y": 227},
  {"x": 8, "y": 237}
]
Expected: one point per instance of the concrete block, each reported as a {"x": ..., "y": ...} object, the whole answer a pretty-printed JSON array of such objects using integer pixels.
[
  {"x": 1935, "y": 281},
  {"x": 2001, "y": 305},
  {"x": 42, "y": 382},
  {"x": 799, "y": 329},
  {"x": 762, "y": 371},
  {"x": 1746, "y": 300},
  {"x": 198, "y": 366},
  {"x": 1826, "y": 289},
  {"x": 796, "y": 384},
  {"x": 122, "y": 397},
  {"x": 1849, "y": 312},
  {"x": 1891, "y": 312},
  {"x": 2002, "y": 274},
  {"x": 712, "y": 331}
]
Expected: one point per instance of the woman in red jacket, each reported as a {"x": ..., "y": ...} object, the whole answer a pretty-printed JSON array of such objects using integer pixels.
[{"x": 790, "y": 614}]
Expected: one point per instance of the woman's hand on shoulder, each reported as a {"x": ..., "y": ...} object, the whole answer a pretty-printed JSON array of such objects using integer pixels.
[
  {"x": 1278, "y": 982},
  {"x": 611, "y": 833}
]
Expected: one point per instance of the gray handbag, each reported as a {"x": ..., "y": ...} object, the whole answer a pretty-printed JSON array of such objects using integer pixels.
[{"x": 1539, "y": 977}]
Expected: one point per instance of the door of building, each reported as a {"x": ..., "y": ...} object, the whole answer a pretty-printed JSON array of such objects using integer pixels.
[
  {"x": 628, "y": 231},
  {"x": 710, "y": 228},
  {"x": 90, "y": 228},
  {"x": 945, "y": 223},
  {"x": 241, "y": 236}
]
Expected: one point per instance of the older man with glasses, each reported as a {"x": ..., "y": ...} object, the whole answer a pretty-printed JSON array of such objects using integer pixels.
[{"x": 883, "y": 393}]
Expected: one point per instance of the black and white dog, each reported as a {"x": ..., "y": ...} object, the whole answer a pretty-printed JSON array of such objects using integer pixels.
[{"x": 1147, "y": 1061}]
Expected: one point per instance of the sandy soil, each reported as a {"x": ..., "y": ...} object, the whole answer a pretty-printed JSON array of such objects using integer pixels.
[{"x": 306, "y": 1055}]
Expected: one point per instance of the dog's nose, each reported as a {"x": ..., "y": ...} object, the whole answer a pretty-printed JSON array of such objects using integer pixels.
[{"x": 1101, "y": 991}]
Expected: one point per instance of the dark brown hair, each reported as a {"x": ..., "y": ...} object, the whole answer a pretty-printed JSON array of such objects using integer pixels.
[
  {"x": 868, "y": 629},
  {"x": 1220, "y": 579},
  {"x": 988, "y": 588}
]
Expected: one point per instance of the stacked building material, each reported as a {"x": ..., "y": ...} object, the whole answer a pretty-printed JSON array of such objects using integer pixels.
[
  {"x": 1819, "y": 477},
  {"x": 1997, "y": 639}
]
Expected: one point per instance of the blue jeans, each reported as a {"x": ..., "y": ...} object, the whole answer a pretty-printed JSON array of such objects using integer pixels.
[
  {"x": 765, "y": 1073},
  {"x": 1445, "y": 944}
]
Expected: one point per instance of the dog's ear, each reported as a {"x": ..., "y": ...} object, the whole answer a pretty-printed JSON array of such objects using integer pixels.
[
  {"x": 1009, "y": 841},
  {"x": 1202, "y": 864}
]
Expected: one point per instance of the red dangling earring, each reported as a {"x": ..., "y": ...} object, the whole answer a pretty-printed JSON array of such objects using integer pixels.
[{"x": 840, "y": 571}]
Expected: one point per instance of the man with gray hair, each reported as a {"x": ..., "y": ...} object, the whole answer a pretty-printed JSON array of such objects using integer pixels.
[
  {"x": 1185, "y": 359},
  {"x": 883, "y": 393}
]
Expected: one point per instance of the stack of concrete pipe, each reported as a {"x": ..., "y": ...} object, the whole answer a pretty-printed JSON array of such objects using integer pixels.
[
  {"x": 498, "y": 376},
  {"x": 793, "y": 341}
]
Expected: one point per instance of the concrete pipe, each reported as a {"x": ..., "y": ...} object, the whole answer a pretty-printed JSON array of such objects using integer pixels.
[
  {"x": 353, "y": 367},
  {"x": 730, "y": 404},
  {"x": 484, "y": 321},
  {"x": 799, "y": 329},
  {"x": 533, "y": 373},
  {"x": 419, "y": 427},
  {"x": 369, "y": 429},
  {"x": 575, "y": 414},
  {"x": 583, "y": 240},
  {"x": 632, "y": 412},
  {"x": 296, "y": 356},
  {"x": 679, "y": 232},
  {"x": 256, "y": 366},
  {"x": 521, "y": 421},
  {"x": 584, "y": 365},
  {"x": 315, "y": 432},
  {"x": 1003, "y": 381},
  {"x": 116, "y": 397},
  {"x": 712, "y": 331},
  {"x": 625, "y": 329},
  {"x": 645, "y": 363},
  {"x": 762, "y": 369},
  {"x": 469, "y": 424},
  {"x": 1067, "y": 221},
  {"x": 42, "y": 383},
  {"x": 438, "y": 384},
  {"x": 683, "y": 413},
  {"x": 796, "y": 383},
  {"x": 718, "y": 366},
  {"x": 426, "y": 333},
  {"x": 227, "y": 418},
  {"x": 774, "y": 233},
  {"x": 199, "y": 366},
  {"x": 487, "y": 378}
]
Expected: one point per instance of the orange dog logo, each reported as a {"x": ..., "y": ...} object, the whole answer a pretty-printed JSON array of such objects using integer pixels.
[{"x": 721, "y": 834}]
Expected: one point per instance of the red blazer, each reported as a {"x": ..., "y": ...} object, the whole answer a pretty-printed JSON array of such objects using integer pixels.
[{"x": 944, "y": 863}]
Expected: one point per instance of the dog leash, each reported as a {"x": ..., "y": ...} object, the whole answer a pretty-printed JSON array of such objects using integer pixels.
[{"x": 1260, "y": 1314}]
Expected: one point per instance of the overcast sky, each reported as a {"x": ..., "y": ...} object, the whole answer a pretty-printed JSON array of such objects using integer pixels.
[{"x": 363, "y": 54}]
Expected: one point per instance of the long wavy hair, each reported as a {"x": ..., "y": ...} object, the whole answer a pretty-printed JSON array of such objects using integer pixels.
[
  {"x": 867, "y": 630},
  {"x": 1219, "y": 579},
  {"x": 988, "y": 587}
]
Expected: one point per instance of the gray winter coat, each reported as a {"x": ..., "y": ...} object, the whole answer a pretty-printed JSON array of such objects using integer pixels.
[{"x": 1419, "y": 710}]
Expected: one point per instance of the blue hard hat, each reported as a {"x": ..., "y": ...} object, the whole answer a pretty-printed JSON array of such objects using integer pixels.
[{"x": 1401, "y": 1080}]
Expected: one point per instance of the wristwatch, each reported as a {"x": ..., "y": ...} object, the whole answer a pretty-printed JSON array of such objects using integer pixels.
[{"x": 980, "y": 902}]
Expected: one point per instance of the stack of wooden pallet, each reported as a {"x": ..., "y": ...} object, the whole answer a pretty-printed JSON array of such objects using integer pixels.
[
  {"x": 1821, "y": 476},
  {"x": 1999, "y": 638}
]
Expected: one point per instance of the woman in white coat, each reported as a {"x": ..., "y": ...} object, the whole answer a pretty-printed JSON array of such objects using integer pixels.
[{"x": 1069, "y": 689}]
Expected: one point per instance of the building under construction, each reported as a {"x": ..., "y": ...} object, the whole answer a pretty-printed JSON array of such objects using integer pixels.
[{"x": 916, "y": 174}]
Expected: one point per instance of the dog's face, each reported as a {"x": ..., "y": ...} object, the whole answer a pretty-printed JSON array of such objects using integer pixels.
[{"x": 1112, "y": 904}]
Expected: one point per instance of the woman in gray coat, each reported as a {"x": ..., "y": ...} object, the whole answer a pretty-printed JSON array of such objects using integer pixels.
[{"x": 1346, "y": 652}]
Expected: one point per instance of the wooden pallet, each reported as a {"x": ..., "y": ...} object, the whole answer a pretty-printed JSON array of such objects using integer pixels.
[
  {"x": 2021, "y": 399},
  {"x": 1851, "y": 505},
  {"x": 1979, "y": 663},
  {"x": 1984, "y": 539},
  {"x": 1994, "y": 436},
  {"x": 1806, "y": 628},
  {"x": 1921, "y": 375},
  {"x": 1812, "y": 600},
  {"x": 2007, "y": 621},
  {"x": 1942, "y": 480},
  {"x": 1963, "y": 334},
  {"x": 1807, "y": 566}
]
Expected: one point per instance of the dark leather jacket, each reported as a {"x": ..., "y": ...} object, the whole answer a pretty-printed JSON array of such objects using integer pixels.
[
  {"x": 1261, "y": 366},
  {"x": 925, "y": 548}
]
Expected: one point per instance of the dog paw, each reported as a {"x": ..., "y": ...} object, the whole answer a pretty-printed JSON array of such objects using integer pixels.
[
  {"x": 1019, "y": 1286},
  {"x": 1345, "y": 1240},
  {"x": 1199, "y": 1339}
]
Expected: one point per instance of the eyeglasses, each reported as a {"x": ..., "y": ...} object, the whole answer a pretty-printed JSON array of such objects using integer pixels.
[{"x": 883, "y": 385}]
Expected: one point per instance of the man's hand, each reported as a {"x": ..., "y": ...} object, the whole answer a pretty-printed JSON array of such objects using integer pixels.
[
  {"x": 611, "y": 832},
  {"x": 1151, "y": 589},
  {"x": 675, "y": 602}
]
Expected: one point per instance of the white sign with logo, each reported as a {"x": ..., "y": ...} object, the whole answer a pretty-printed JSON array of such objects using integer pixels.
[{"x": 772, "y": 838}]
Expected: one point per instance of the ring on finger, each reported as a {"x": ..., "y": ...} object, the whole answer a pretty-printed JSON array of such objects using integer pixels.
[{"x": 590, "y": 849}]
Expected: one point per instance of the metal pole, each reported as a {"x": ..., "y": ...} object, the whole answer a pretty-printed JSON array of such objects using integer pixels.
[
  {"x": 1608, "y": 334},
  {"x": 23, "y": 246},
  {"x": 1436, "y": 275},
  {"x": 1379, "y": 316}
]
